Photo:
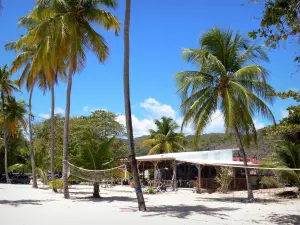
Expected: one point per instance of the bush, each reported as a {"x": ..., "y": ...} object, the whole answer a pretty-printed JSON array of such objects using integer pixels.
[
  {"x": 56, "y": 184},
  {"x": 224, "y": 179},
  {"x": 151, "y": 190},
  {"x": 270, "y": 182}
]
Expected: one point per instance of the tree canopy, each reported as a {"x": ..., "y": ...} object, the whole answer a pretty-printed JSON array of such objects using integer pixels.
[{"x": 280, "y": 20}]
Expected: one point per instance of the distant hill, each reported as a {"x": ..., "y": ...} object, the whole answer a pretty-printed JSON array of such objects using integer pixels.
[{"x": 214, "y": 141}]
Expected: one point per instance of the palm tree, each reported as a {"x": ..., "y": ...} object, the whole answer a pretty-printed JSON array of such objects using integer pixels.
[
  {"x": 134, "y": 169},
  {"x": 229, "y": 80},
  {"x": 6, "y": 87},
  {"x": 15, "y": 114},
  {"x": 45, "y": 79},
  {"x": 164, "y": 139},
  {"x": 286, "y": 155},
  {"x": 68, "y": 26}
]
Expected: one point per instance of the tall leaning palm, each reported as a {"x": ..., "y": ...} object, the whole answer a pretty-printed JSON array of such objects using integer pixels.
[
  {"x": 228, "y": 79},
  {"x": 134, "y": 169},
  {"x": 26, "y": 59},
  {"x": 69, "y": 27},
  {"x": 7, "y": 85},
  {"x": 164, "y": 139}
]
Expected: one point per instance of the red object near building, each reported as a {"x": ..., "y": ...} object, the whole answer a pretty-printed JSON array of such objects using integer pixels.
[{"x": 249, "y": 159}]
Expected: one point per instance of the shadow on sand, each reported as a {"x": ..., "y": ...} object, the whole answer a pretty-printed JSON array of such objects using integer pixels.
[
  {"x": 238, "y": 199},
  {"x": 23, "y": 202},
  {"x": 182, "y": 211},
  {"x": 284, "y": 219},
  {"x": 109, "y": 199}
]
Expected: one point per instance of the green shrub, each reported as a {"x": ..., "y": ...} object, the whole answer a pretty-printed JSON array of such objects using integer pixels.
[
  {"x": 151, "y": 190},
  {"x": 224, "y": 179},
  {"x": 270, "y": 182},
  {"x": 56, "y": 184}
]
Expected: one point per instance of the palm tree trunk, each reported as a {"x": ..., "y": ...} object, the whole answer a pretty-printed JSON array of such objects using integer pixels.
[
  {"x": 52, "y": 131},
  {"x": 34, "y": 180},
  {"x": 250, "y": 192},
  {"x": 134, "y": 169},
  {"x": 96, "y": 190},
  {"x": 5, "y": 137},
  {"x": 66, "y": 133}
]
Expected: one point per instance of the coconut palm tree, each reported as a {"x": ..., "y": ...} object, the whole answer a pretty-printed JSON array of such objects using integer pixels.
[
  {"x": 286, "y": 155},
  {"x": 134, "y": 169},
  {"x": 7, "y": 85},
  {"x": 68, "y": 26},
  {"x": 15, "y": 112},
  {"x": 26, "y": 60},
  {"x": 164, "y": 139},
  {"x": 228, "y": 79}
]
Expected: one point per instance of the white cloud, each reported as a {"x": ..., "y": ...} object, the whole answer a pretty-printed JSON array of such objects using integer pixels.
[
  {"x": 44, "y": 115},
  {"x": 258, "y": 124},
  {"x": 216, "y": 124},
  {"x": 284, "y": 113},
  {"x": 85, "y": 108},
  {"x": 156, "y": 109},
  {"x": 59, "y": 110},
  {"x": 140, "y": 127}
]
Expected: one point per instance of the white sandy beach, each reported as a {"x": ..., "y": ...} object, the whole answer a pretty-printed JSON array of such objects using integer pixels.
[{"x": 22, "y": 205}]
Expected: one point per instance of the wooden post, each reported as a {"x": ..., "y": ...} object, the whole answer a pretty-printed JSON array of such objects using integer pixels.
[
  {"x": 143, "y": 171},
  {"x": 234, "y": 178},
  {"x": 155, "y": 163},
  {"x": 184, "y": 171},
  {"x": 189, "y": 172}
]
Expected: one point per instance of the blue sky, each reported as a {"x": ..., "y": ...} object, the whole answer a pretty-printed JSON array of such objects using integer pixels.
[{"x": 159, "y": 30}]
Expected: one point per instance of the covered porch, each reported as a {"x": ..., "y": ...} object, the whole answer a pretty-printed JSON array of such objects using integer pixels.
[{"x": 185, "y": 169}]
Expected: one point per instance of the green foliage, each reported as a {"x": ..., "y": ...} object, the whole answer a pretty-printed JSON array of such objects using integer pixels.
[
  {"x": 87, "y": 133},
  {"x": 286, "y": 155},
  {"x": 289, "y": 127},
  {"x": 224, "y": 179},
  {"x": 151, "y": 190},
  {"x": 164, "y": 139},
  {"x": 15, "y": 114},
  {"x": 212, "y": 141},
  {"x": 56, "y": 184},
  {"x": 7, "y": 84},
  {"x": 66, "y": 27},
  {"x": 280, "y": 21},
  {"x": 270, "y": 182},
  {"x": 227, "y": 80},
  {"x": 41, "y": 164}
]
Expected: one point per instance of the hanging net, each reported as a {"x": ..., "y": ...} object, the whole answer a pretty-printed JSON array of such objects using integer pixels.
[{"x": 96, "y": 175}]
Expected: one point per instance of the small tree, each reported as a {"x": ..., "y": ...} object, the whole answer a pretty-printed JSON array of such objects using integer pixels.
[{"x": 224, "y": 179}]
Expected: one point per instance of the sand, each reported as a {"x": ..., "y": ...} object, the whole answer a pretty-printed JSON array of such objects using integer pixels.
[{"x": 23, "y": 205}]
